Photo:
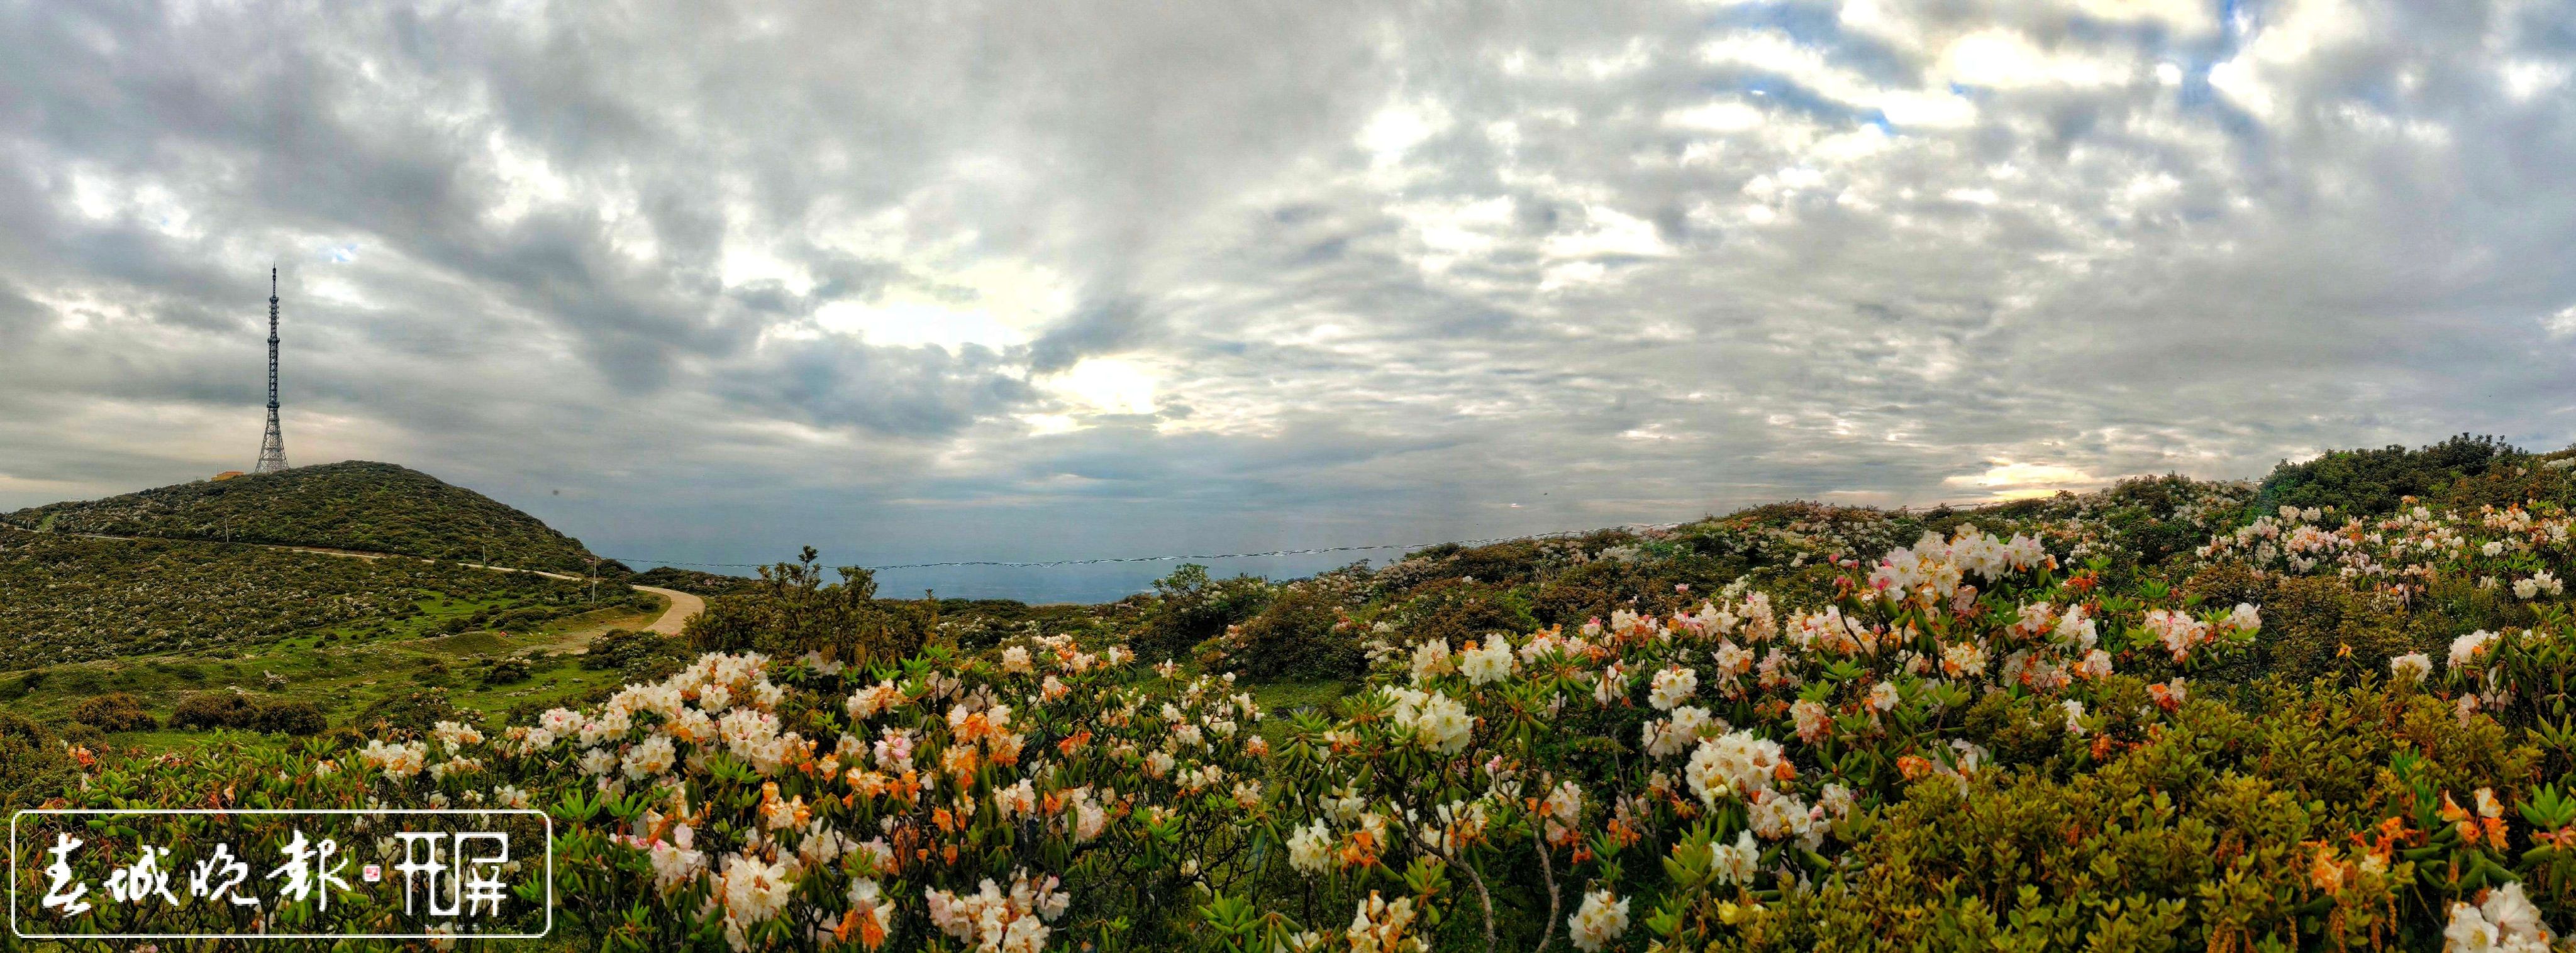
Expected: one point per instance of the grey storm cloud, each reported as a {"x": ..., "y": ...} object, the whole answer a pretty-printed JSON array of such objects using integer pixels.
[{"x": 973, "y": 279}]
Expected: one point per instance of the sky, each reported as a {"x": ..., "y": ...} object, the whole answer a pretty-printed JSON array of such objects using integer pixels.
[{"x": 929, "y": 281}]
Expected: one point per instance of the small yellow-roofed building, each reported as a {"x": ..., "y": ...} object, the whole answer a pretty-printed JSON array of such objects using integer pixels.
[{"x": 226, "y": 475}]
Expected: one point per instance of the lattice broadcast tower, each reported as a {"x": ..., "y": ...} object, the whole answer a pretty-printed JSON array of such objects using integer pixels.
[{"x": 272, "y": 445}]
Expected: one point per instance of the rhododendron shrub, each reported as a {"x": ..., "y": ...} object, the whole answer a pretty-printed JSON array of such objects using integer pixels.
[{"x": 1747, "y": 729}]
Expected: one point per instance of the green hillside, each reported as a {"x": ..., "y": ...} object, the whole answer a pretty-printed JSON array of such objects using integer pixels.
[
  {"x": 74, "y": 598},
  {"x": 375, "y": 507}
]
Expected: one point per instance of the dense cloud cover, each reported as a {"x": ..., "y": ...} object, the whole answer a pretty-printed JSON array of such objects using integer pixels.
[{"x": 939, "y": 280}]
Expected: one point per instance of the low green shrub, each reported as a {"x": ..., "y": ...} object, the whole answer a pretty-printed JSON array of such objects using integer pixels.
[
  {"x": 115, "y": 711},
  {"x": 213, "y": 710},
  {"x": 34, "y": 765},
  {"x": 1301, "y": 635},
  {"x": 640, "y": 655},
  {"x": 288, "y": 717},
  {"x": 410, "y": 711},
  {"x": 246, "y": 713},
  {"x": 789, "y": 612},
  {"x": 506, "y": 671},
  {"x": 1189, "y": 607}
]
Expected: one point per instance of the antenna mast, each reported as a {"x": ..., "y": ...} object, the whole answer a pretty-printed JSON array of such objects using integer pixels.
[{"x": 272, "y": 445}]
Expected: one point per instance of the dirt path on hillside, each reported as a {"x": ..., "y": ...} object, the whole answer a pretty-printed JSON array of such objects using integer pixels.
[
  {"x": 683, "y": 605},
  {"x": 683, "y": 608}
]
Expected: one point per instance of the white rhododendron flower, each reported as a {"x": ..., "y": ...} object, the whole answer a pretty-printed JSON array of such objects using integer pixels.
[
  {"x": 1378, "y": 926},
  {"x": 2179, "y": 632},
  {"x": 1439, "y": 722},
  {"x": 874, "y": 909},
  {"x": 2410, "y": 667},
  {"x": 1018, "y": 800},
  {"x": 1310, "y": 848},
  {"x": 992, "y": 920},
  {"x": 399, "y": 762},
  {"x": 1813, "y": 720},
  {"x": 1430, "y": 660},
  {"x": 652, "y": 757},
  {"x": 867, "y": 702},
  {"x": 752, "y": 891},
  {"x": 1601, "y": 919},
  {"x": 1665, "y": 738},
  {"x": 2465, "y": 649},
  {"x": 2076, "y": 629},
  {"x": 2505, "y": 923},
  {"x": 675, "y": 866},
  {"x": 455, "y": 736},
  {"x": 1735, "y": 863},
  {"x": 2245, "y": 619},
  {"x": 1672, "y": 686},
  {"x": 1736, "y": 763},
  {"x": 1563, "y": 807},
  {"x": 1883, "y": 696},
  {"x": 1487, "y": 661},
  {"x": 1777, "y": 816}
]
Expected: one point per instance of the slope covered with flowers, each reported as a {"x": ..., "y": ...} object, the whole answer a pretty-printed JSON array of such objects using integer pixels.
[{"x": 2015, "y": 735}]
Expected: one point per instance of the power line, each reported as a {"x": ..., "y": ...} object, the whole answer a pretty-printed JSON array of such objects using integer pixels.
[{"x": 1560, "y": 534}]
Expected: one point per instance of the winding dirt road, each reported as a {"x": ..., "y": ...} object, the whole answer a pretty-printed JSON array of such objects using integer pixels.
[
  {"x": 683, "y": 605},
  {"x": 683, "y": 608}
]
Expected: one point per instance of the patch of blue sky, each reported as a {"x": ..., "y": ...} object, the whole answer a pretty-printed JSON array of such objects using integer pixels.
[
  {"x": 1818, "y": 26},
  {"x": 1786, "y": 94}
]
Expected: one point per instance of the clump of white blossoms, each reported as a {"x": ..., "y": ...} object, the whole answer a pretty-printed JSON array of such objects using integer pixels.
[
  {"x": 2541, "y": 582},
  {"x": 1812, "y": 719},
  {"x": 1487, "y": 661},
  {"x": 752, "y": 891},
  {"x": 1015, "y": 922},
  {"x": 2410, "y": 667},
  {"x": 1378, "y": 926},
  {"x": 1665, "y": 738},
  {"x": 2506, "y": 923},
  {"x": 1431, "y": 660},
  {"x": 1672, "y": 686},
  {"x": 872, "y": 912},
  {"x": 1736, "y": 863},
  {"x": 1930, "y": 571},
  {"x": 1439, "y": 723},
  {"x": 1310, "y": 848},
  {"x": 455, "y": 736},
  {"x": 2466, "y": 648},
  {"x": 1564, "y": 805},
  {"x": 398, "y": 762},
  {"x": 1602, "y": 919},
  {"x": 1735, "y": 763}
]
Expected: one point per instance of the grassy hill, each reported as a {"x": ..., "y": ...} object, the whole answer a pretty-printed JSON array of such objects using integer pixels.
[
  {"x": 376, "y": 507},
  {"x": 75, "y": 598}
]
